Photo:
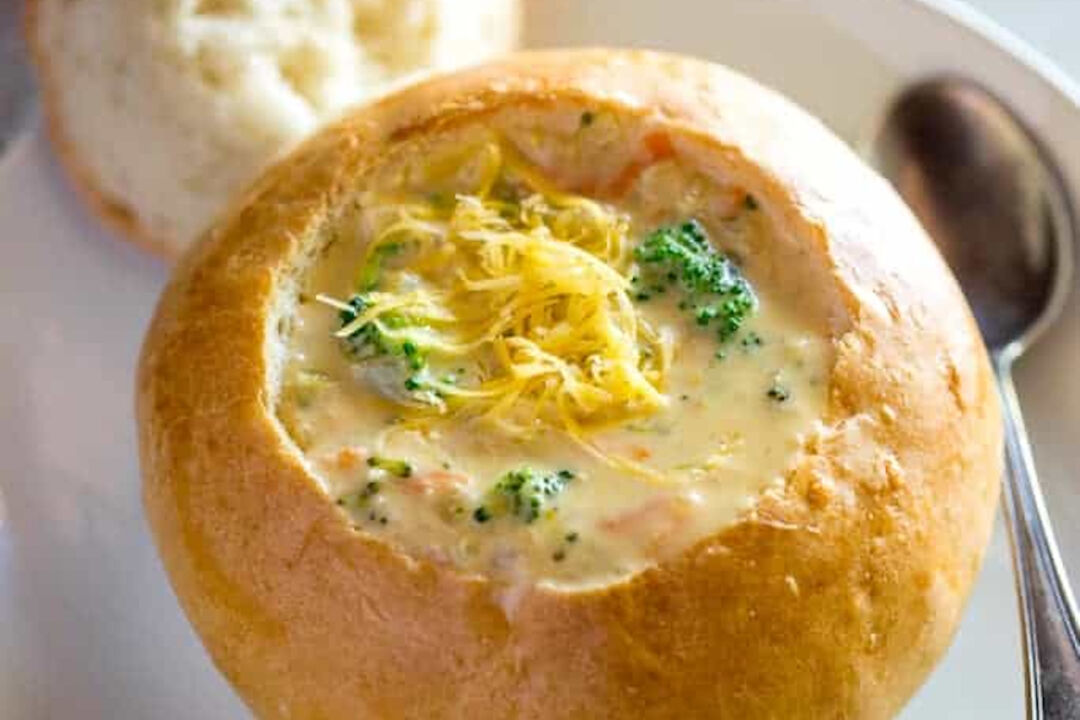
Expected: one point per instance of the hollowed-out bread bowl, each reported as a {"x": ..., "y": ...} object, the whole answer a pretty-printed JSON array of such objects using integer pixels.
[{"x": 406, "y": 454}]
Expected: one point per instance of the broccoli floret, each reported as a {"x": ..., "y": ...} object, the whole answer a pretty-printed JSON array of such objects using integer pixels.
[
  {"x": 370, "y": 340},
  {"x": 367, "y": 340},
  {"x": 409, "y": 368},
  {"x": 715, "y": 291},
  {"x": 372, "y": 269},
  {"x": 524, "y": 493},
  {"x": 529, "y": 492}
]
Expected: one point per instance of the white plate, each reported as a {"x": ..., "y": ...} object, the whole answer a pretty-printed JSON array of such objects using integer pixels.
[{"x": 88, "y": 626}]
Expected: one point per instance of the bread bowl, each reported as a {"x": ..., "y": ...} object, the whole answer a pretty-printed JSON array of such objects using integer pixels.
[
  {"x": 161, "y": 111},
  {"x": 721, "y": 436}
]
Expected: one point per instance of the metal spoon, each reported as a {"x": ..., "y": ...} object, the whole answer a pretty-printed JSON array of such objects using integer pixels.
[{"x": 994, "y": 203}]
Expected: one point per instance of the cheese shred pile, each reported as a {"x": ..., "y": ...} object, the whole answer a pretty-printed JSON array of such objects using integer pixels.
[{"x": 525, "y": 288}]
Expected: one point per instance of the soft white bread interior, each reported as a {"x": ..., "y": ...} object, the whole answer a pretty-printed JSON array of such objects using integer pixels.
[{"x": 163, "y": 110}]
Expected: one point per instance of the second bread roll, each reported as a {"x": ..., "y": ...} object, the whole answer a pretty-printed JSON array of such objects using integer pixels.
[{"x": 163, "y": 110}]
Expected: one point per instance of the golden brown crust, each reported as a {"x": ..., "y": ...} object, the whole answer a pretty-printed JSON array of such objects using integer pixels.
[{"x": 833, "y": 598}]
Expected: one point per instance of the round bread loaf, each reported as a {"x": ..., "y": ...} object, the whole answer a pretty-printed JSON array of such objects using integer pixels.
[
  {"x": 824, "y": 585},
  {"x": 162, "y": 111}
]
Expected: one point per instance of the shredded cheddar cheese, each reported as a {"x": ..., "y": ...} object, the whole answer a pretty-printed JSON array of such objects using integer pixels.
[{"x": 531, "y": 293}]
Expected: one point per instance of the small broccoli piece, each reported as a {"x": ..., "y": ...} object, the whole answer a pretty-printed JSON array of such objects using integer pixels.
[
  {"x": 370, "y": 341},
  {"x": 778, "y": 392},
  {"x": 715, "y": 291},
  {"x": 398, "y": 468},
  {"x": 371, "y": 272},
  {"x": 524, "y": 493},
  {"x": 752, "y": 340},
  {"x": 361, "y": 497},
  {"x": 367, "y": 340},
  {"x": 414, "y": 358},
  {"x": 528, "y": 492}
]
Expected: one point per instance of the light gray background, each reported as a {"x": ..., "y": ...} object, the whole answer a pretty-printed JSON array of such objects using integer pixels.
[{"x": 14, "y": 79}]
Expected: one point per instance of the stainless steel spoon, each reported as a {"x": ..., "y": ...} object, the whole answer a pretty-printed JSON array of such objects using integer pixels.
[{"x": 992, "y": 200}]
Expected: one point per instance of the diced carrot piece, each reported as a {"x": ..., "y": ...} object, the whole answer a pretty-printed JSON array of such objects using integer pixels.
[
  {"x": 434, "y": 481},
  {"x": 656, "y": 510},
  {"x": 626, "y": 178},
  {"x": 442, "y": 477},
  {"x": 659, "y": 146},
  {"x": 349, "y": 457}
]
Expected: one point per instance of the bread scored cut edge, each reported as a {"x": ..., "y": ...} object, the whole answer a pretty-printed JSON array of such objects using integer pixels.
[{"x": 833, "y": 596}]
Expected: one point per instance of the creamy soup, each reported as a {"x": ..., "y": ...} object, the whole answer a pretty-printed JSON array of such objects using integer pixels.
[{"x": 507, "y": 376}]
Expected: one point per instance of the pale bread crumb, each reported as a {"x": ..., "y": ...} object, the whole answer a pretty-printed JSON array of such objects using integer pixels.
[{"x": 170, "y": 107}]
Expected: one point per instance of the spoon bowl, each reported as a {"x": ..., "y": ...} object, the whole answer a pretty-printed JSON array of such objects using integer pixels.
[
  {"x": 989, "y": 196},
  {"x": 993, "y": 201}
]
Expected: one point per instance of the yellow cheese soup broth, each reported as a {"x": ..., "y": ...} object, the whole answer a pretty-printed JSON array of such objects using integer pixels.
[{"x": 516, "y": 495}]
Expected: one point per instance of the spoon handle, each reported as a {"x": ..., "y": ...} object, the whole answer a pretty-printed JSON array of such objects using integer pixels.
[{"x": 1051, "y": 634}]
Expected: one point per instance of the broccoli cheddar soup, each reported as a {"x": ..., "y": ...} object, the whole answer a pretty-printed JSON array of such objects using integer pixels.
[{"x": 551, "y": 352}]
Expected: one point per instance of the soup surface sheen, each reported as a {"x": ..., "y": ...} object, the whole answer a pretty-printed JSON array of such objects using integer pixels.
[{"x": 514, "y": 380}]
